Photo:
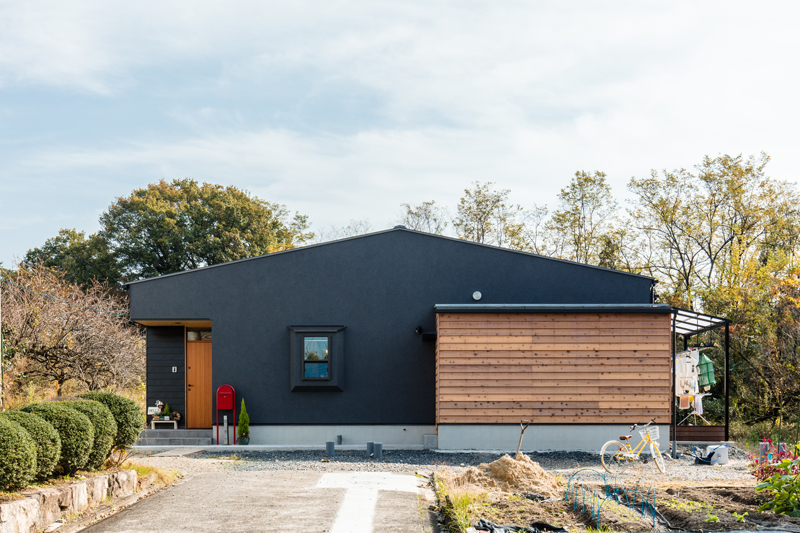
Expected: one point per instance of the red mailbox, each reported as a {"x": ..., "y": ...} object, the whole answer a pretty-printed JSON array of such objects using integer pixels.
[{"x": 226, "y": 399}]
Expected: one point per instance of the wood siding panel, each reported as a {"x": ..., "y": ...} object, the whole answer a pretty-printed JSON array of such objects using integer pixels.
[
  {"x": 700, "y": 433},
  {"x": 594, "y": 368}
]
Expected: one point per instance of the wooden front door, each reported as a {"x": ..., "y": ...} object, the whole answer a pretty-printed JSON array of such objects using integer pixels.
[{"x": 198, "y": 384}]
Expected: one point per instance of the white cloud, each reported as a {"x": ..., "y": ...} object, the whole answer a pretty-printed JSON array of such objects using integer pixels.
[{"x": 520, "y": 93}]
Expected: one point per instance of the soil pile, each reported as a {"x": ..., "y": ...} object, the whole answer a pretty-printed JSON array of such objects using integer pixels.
[{"x": 513, "y": 475}]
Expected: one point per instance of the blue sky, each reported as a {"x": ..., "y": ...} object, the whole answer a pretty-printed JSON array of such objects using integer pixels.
[{"x": 344, "y": 110}]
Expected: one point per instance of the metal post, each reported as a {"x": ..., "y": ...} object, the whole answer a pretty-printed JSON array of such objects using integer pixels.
[
  {"x": 674, "y": 342},
  {"x": 727, "y": 388}
]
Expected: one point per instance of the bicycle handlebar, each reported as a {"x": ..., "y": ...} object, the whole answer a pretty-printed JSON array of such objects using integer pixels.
[{"x": 652, "y": 421}]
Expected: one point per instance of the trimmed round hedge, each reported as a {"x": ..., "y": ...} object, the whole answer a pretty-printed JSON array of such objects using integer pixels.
[
  {"x": 17, "y": 455},
  {"x": 127, "y": 413},
  {"x": 105, "y": 429},
  {"x": 74, "y": 428},
  {"x": 44, "y": 435}
]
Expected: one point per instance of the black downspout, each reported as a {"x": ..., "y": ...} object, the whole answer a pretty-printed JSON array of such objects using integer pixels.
[
  {"x": 727, "y": 388},
  {"x": 674, "y": 392}
]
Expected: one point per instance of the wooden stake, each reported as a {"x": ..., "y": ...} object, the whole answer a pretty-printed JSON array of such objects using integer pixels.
[{"x": 521, "y": 433}]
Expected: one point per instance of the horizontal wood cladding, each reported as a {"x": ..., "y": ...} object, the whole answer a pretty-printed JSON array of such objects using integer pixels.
[
  {"x": 601, "y": 368},
  {"x": 700, "y": 433}
]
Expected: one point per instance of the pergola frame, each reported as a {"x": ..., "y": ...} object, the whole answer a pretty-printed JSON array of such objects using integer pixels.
[{"x": 687, "y": 324}]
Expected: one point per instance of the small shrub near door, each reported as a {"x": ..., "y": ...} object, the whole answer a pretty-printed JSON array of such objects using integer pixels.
[
  {"x": 45, "y": 437},
  {"x": 105, "y": 429},
  {"x": 74, "y": 428},
  {"x": 17, "y": 455},
  {"x": 243, "y": 430},
  {"x": 128, "y": 415}
]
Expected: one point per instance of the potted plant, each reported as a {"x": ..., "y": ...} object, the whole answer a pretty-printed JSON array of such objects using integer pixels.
[
  {"x": 243, "y": 431},
  {"x": 165, "y": 412}
]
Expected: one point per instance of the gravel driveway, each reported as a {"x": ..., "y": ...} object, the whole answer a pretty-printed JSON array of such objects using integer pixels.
[{"x": 426, "y": 461}]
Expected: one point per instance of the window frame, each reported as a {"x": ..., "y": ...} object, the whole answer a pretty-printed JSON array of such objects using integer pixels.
[
  {"x": 328, "y": 355},
  {"x": 335, "y": 379}
]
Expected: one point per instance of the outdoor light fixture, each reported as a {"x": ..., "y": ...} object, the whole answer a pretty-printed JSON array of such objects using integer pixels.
[{"x": 477, "y": 295}]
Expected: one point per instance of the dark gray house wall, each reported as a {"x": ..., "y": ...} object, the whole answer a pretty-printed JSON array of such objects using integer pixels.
[
  {"x": 380, "y": 287},
  {"x": 164, "y": 351}
]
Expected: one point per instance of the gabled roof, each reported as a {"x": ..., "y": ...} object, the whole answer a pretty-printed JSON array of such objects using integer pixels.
[{"x": 382, "y": 232}]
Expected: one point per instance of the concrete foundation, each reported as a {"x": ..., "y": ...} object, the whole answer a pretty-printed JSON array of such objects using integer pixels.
[
  {"x": 390, "y": 436},
  {"x": 504, "y": 437},
  {"x": 430, "y": 442}
]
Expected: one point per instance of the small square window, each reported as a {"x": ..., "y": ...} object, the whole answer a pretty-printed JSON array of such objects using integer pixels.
[{"x": 317, "y": 358}]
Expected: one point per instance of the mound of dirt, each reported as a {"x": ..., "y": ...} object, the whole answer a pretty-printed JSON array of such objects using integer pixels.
[{"x": 513, "y": 475}]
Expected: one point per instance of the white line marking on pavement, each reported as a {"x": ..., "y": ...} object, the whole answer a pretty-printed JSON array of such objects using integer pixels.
[{"x": 358, "y": 508}]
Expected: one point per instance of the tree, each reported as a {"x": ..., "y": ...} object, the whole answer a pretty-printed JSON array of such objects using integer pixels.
[
  {"x": 427, "y": 217},
  {"x": 355, "y": 227},
  {"x": 59, "y": 332},
  {"x": 484, "y": 215},
  {"x": 532, "y": 236},
  {"x": 82, "y": 260},
  {"x": 724, "y": 240},
  {"x": 582, "y": 227},
  {"x": 170, "y": 227},
  {"x": 706, "y": 231}
]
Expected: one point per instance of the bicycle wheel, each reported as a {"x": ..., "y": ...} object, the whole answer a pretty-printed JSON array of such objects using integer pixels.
[
  {"x": 658, "y": 459},
  {"x": 613, "y": 457}
]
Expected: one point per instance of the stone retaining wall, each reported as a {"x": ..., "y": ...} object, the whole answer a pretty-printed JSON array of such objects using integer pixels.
[{"x": 41, "y": 508}]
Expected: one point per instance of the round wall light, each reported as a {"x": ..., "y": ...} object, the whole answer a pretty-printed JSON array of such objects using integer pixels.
[{"x": 477, "y": 295}]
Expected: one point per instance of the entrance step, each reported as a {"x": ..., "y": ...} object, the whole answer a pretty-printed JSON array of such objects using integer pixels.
[{"x": 175, "y": 437}]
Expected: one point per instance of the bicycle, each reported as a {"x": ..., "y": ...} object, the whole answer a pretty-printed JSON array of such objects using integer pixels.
[{"x": 617, "y": 456}]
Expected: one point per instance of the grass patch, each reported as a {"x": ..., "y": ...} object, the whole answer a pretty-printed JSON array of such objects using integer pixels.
[
  {"x": 163, "y": 477},
  {"x": 688, "y": 506},
  {"x": 458, "y": 503}
]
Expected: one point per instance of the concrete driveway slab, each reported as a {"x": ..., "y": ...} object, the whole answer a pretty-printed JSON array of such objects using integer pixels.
[{"x": 276, "y": 501}]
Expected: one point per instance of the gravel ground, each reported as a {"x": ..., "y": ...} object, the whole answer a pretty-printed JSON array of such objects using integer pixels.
[
  {"x": 563, "y": 463},
  {"x": 187, "y": 465}
]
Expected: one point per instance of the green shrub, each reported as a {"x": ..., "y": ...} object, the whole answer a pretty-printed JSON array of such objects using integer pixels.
[
  {"x": 44, "y": 435},
  {"x": 17, "y": 455},
  {"x": 105, "y": 429},
  {"x": 74, "y": 428},
  {"x": 129, "y": 417},
  {"x": 784, "y": 487},
  {"x": 165, "y": 411},
  {"x": 244, "y": 422}
]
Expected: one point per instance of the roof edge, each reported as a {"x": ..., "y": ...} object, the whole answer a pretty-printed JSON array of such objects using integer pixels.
[
  {"x": 363, "y": 235},
  {"x": 553, "y": 308}
]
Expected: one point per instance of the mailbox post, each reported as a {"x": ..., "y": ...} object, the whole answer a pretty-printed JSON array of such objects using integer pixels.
[{"x": 226, "y": 399}]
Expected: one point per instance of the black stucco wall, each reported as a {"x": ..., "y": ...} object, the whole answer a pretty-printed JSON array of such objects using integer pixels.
[
  {"x": 165, "y": 349},
  {"x": 381, "y": 287}
]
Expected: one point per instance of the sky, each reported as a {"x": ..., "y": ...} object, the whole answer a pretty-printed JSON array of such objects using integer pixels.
[{"x": 344, "y": 110}]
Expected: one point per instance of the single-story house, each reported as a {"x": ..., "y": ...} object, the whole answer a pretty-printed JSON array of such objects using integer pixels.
[{"x": 409, "y": 338}]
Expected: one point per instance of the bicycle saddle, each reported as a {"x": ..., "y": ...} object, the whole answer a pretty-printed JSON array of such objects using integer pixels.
[{"x": 625, "y": 437}]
